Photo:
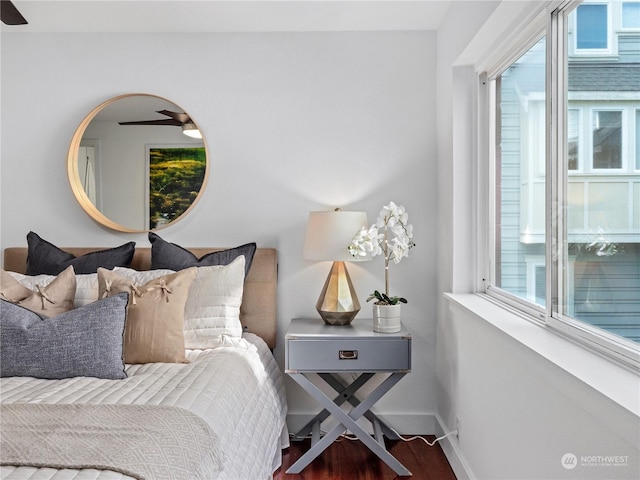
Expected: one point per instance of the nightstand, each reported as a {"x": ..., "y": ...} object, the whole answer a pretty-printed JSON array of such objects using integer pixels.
[{"x": 312, "y": 347}]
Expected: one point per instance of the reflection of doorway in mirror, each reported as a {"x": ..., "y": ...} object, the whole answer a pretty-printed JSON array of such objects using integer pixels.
[{"x": 88, "y": 169}]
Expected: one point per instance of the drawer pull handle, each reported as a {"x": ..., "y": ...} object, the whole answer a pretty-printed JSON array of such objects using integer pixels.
[{"x": 348, "y": 354}]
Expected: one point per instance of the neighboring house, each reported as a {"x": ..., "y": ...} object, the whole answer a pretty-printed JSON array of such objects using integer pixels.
[
  {"x": 603, "y": 169},
  {"x": 299, "y": 121}
]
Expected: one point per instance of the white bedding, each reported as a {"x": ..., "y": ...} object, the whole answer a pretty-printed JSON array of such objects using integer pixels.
[{"x": 237, "y": 388}]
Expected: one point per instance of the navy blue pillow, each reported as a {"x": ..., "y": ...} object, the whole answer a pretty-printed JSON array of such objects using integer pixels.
[
  {"x": 174, "y": 257},
  {"x": 45, "y": 258},
  {"x": 85, "y": 342}
]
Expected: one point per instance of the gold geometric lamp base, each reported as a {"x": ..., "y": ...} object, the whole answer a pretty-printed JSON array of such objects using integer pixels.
[{"x": 338, "y": 303}]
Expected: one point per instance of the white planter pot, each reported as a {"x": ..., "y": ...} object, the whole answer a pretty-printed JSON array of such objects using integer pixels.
[{"x": 386, "y": 318}]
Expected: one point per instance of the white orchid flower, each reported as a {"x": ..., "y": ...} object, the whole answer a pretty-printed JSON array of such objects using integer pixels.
[{"x": 375, "y": 240}]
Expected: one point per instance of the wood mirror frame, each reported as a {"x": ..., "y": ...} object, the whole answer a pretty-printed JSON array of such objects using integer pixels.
[{"x": 73, "y": 170}]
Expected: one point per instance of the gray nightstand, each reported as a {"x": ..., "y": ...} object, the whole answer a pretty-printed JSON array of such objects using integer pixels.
[{"x": 311, "y": 346}]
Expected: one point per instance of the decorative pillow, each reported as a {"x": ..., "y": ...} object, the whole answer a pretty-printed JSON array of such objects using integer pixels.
[
  {"x": 213, "y": 305},
  {"x": 85, "y": 342},
  {"x": 47, "y": 300},
  {"x": 45, "y": 258},
  {"x": 174, "y": 257},
  {"x": 10, "y": 289},
  {"x": 86, "y": 286},
  {"x": 155, "y": 316}
]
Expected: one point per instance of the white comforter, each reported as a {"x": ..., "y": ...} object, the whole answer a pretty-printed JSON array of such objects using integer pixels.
[{"x": 237, "y": 388}]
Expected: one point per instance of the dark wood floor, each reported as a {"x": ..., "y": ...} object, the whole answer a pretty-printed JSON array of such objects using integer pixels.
[{"x": 352, "y": 460}]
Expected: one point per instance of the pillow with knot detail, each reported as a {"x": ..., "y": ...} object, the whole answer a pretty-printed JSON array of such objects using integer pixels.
[
  {"x": 155, "y": 315},
  {"x": 48, "y": 300}
]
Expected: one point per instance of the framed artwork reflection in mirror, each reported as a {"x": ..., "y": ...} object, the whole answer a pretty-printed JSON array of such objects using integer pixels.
[{"x": 176, "y": 173}]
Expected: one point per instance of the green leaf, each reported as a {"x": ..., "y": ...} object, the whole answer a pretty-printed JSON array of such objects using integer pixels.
[{"x": 384, "y": 299}]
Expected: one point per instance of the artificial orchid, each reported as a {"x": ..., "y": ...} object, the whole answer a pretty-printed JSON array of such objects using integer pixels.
[{"x": 391, "y": 236}]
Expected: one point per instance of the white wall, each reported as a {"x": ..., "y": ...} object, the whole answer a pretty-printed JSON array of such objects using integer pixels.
[
  {"x": 297, "y": 122},
  {"x": 519, "y": 412},
  {"x": 456, "y": 178},
  {"x": 294, "y": 123}
]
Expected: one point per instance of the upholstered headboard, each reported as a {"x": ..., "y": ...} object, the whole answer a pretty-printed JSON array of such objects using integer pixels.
[{"x": 258, "y": 310}]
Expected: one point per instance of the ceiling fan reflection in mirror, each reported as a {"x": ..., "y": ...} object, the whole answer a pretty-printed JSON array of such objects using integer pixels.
[
  {"x": 176, "y": 119},
  {"x": 10, "y": 15}
]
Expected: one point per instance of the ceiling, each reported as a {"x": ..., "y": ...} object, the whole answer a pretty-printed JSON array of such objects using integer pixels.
[
  {"x": 228, "y": 16},
  {"x": 129, "y": 109}
]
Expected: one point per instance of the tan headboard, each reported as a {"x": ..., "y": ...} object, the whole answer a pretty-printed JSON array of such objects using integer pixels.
[{"x": 258, "y": 310}]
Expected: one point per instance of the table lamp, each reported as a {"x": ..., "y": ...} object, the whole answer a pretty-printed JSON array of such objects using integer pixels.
[{"x": 328, "y": 235}]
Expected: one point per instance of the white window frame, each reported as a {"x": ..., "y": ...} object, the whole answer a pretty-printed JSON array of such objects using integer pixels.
[
  {"x": 613, "y": 346},
  {"x": 581, "y": 147},
  {"x": 533, "y": 262},
  {"x": 622, "y": 27},
  {"x": 611, "y": 43},
  {"x": 585, "y": 134},
  {"x": 623, "y": 154},
  {"x": 636, "y": 140}
]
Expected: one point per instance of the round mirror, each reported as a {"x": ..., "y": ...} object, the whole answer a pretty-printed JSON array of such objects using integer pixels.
[{"x": 137, "y": 163}]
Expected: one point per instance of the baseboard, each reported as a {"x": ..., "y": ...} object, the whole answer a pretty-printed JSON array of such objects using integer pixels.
[
  {"x": 451, "y": 450},
  {"x": 404, "y": 424}
]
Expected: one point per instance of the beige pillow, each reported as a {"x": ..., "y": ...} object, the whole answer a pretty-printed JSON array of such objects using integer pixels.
[
  {"x": 86, "y": 285},
  {"x": 10, "y": 289},
  {"x": 48, "y": 300},
  {"x": 155, "y": 315},
  {"x": 213, "y": 306}
]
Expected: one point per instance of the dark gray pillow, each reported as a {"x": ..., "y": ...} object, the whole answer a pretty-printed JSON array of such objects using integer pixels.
[
  {"x": 45, "y": 258},
  {"x": 174, "y": 257},
  {"x": 85, "y": 342}
]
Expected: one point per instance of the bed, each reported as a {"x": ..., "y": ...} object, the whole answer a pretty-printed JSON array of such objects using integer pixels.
[{"x": 217, "y": 414}]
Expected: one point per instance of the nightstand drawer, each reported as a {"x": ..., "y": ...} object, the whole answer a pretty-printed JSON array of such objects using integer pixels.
[{"x": 348, "y": 355}]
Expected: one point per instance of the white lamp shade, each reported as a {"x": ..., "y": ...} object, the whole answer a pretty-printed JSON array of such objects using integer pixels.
[{"x": 330, "y": 233}]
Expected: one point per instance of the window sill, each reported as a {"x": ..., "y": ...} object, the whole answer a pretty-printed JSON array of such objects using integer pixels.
[{"x": 612, "y": 380}]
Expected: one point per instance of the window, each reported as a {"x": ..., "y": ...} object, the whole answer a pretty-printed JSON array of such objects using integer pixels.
[
  {"x": 536, "y": 275},
  {"x": 573, "y": 139},
  {"x": 520, "y": 167},
  {"x": 592, "y": 27},
  {"x": 607, "y": 139},
  {"x": 631, "y": 15},
  {"x": 638, "y": 139},
  {"x": 565, "y": 238},
  {"x": 602, "y": 133}
]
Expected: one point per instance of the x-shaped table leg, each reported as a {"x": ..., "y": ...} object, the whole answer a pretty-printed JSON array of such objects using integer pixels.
[
  {"x": 343, "y": 391},
  {"x": 344, "y": 394},
  {"x": 348, "y": 421}
]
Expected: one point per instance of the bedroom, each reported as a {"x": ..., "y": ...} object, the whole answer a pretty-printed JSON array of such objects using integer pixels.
[{"x": 295, "y": 122}]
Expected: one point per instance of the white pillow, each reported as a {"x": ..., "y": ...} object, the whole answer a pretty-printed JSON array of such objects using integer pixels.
[
  {"x": 86, "y": 285},
  {"x": 213, "y": 304}
]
